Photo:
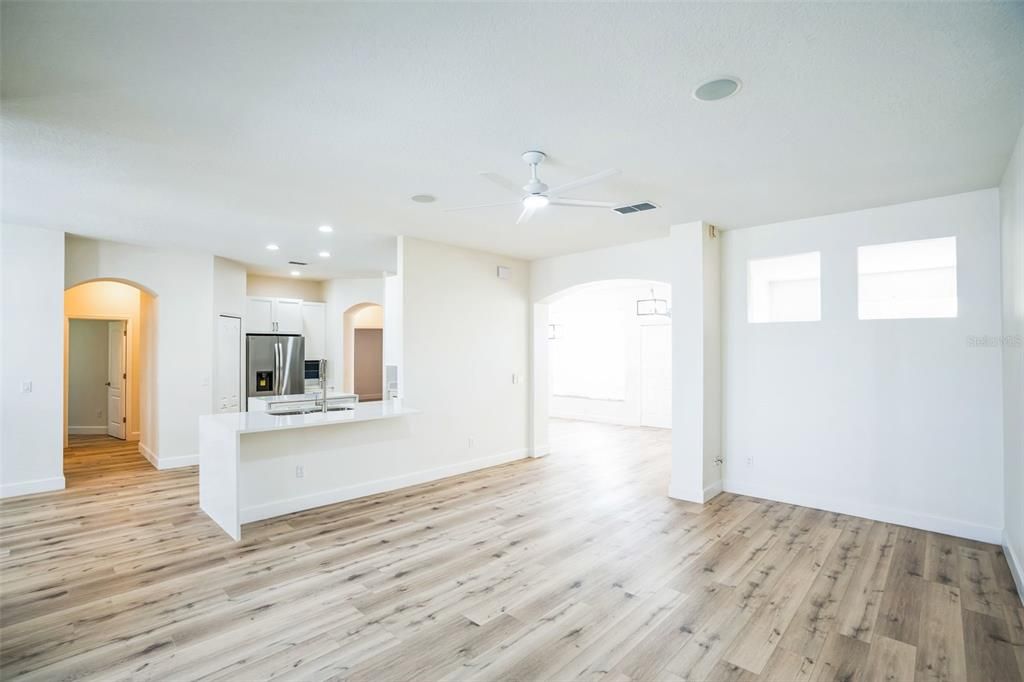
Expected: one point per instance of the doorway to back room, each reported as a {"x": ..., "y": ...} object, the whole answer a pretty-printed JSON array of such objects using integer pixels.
[
  {"x": 610, "y": 354},
  {"x": 109, "y": 365}
]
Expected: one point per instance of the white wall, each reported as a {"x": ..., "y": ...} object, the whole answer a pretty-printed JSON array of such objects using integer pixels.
[
  {"x": 182, "y": 283},
  {"x": 87, "y": 376},
  {"x": 282, "y": 287},
  {"x": 340, "y": 295},
  {"x": 646, "y": 260},
  {"x": 465, "y": 336},
  {"x": 1011, "y": 195},
  {"x": 898, "y": 420},
  {"x": 32, "y": 338}
]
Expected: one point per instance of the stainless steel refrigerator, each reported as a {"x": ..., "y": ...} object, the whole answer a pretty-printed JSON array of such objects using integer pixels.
[{"x": 274, "y": 365}]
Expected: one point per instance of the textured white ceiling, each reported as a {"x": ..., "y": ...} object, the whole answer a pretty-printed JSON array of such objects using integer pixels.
[{"x": 222, "y": 126}]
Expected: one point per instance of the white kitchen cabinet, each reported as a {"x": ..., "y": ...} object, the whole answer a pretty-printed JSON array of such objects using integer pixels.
[
  {"x": 267, "y": 315},
  {"x": 259, "y": 315},
  {"x": 288, "y": 315},
  {"x": 314, "y": 328}
]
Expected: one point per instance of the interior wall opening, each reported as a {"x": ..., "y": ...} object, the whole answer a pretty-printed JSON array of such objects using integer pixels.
[
  {"x": 609, "y": 354},
  {"x": 109, "y": 365},
  {"x": 363, "y": 351}
]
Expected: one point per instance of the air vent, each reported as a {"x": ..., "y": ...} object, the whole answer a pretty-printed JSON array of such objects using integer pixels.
[
  {"x": 296, "y": 262},
  {"x": 635, "y": 208}
]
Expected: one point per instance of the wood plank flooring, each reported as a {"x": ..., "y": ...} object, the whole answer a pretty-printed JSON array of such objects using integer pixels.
[{"x": 572, "y": 567}]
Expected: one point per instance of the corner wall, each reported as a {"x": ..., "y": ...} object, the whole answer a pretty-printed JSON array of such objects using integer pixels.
[
  {"x": 31, "y": 350},
  {"x": 465, "y": 336},
  {"x": 896, "y": 420},
  {"x": 1011, "y": 200},
  {"x": 182, "y": 285}
]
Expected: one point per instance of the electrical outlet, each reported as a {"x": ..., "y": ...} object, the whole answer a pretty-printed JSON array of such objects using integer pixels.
[
  {"x": 299, "y": 471},
  {"x": 750, "y": 461},
  {"x": 99, "y": 414},
  {"x": 26, "y": 387},
  {"x": 469, "y": 442}
]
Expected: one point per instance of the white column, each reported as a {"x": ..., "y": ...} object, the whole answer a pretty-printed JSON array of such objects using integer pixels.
[
  {"x": 696, "y": 363},
  {"x": 539, "y": 390}
]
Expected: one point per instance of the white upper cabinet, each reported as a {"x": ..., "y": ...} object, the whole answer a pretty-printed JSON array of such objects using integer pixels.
[
  {"x": 288, "y": 315},
  {"x": 314, "y": 329},
  {"x": 259, "y": 315}
]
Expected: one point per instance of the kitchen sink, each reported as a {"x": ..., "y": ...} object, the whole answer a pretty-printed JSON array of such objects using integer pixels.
[{"x": 307, "y": 410}]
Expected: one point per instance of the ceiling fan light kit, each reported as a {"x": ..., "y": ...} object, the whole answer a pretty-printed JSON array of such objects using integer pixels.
[{"x": 536, "y": 194}]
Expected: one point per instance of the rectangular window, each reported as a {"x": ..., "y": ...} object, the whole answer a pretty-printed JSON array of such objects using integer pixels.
[
  {"x": 907, "y": 280},
  {"x": 786, "y": 289}
]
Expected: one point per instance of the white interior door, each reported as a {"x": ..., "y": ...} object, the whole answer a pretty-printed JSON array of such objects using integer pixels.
[
  {"x": 117, "y": 343},
  {"x": 656, "y": 375},
  {"x": 229, "y": 364}
]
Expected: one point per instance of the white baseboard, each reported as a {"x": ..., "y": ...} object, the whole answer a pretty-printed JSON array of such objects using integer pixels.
[
  {"x": 1016, "y": 567},
  {"x": 177, "y": 462},
  {"x": 162, "y": 463},
  {"x": 541, "y": 451},
  {"x": 712, "y": 490},
  {"x": 875, "y": 512},
  {"x": 698, "y": 495},
  {"x": 40, "y": 485},
  {"x": 149, "y": 455},
  {"x": 333, "y": 496},
  {"x": 87, "y": 430}
]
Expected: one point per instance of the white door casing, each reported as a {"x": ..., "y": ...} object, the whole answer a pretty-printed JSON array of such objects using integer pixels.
[
  {"x": 117, "y": 342},
  {"x": 656, "y": 375}
]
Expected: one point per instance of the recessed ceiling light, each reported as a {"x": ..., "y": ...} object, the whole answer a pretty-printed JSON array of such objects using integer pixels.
[
  {"x": 271, "y": 247},
  {"x": 325, "y": 254},
  {"x": 326, "y": 228},
  {"x": 718, "y": 88},
  {"x": 423, "y": 198},
  {"x": 295, "y": 273}
]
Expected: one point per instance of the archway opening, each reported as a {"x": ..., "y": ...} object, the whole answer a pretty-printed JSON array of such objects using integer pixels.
[
  {"x": 602, "y": 354},
  {"x": 109, "y": 375},
  {"x": 363, "y": 351}
]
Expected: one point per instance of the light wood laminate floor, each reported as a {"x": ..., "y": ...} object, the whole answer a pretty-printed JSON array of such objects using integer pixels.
[{"x": 572, "y": 567}]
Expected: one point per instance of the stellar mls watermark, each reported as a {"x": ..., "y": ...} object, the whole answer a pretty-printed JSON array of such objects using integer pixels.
[{"x": 989, "y": 341}]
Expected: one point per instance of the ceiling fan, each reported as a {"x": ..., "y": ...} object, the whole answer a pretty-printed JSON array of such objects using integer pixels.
[{"x": 536, "y": 194}]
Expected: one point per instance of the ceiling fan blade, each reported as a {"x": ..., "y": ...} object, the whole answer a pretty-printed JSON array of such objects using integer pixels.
[
  {"x": 565, "y": 201},
  {"x": 580, "y": 182},
  {"x": 525, "y": 215},
  {"x": 503, "y": 182},
  {"x": 467, "y": 208}
]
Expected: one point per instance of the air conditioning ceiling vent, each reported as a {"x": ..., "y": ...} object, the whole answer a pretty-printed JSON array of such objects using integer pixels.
[{"x": 635, "y": 208}]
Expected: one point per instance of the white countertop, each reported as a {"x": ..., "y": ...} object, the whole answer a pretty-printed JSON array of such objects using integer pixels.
[{"x": 254, "y": 422}]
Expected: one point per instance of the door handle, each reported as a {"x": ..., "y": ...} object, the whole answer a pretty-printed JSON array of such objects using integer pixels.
[{"x": 108, "y": 383}]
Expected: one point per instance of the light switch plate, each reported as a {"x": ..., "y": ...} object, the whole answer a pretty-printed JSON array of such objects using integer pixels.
[{"x": 26, "y": 387}]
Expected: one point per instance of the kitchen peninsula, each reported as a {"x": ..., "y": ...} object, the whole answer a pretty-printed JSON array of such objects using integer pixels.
[{"x": 257, "y": 465}]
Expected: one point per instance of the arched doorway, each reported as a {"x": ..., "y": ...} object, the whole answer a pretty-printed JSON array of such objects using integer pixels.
[
  {"x": 363, "y": 351},
  {"x": 109, "y": 367},
  {"x": 602, "y": 352}
]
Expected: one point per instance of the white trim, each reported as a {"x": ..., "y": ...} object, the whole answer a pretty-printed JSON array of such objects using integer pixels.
[
  {"x": 541, "y": 451},
  {"x": 149, "y": 455},
  {"x": 177, "y": 462},
  {"x": 294, "y": 504},
  {"x": 87, "y": 430},
  {"x": 1016, "y": 567},
  {"x": 40, "y": 485},
  {"x": 712, "y": 490},
  {"x": 875, "y": 512},
  {"x": 700, "y": 496}
]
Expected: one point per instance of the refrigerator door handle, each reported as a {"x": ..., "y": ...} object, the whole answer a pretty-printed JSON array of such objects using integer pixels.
[{"x": 277, "y": 368}]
